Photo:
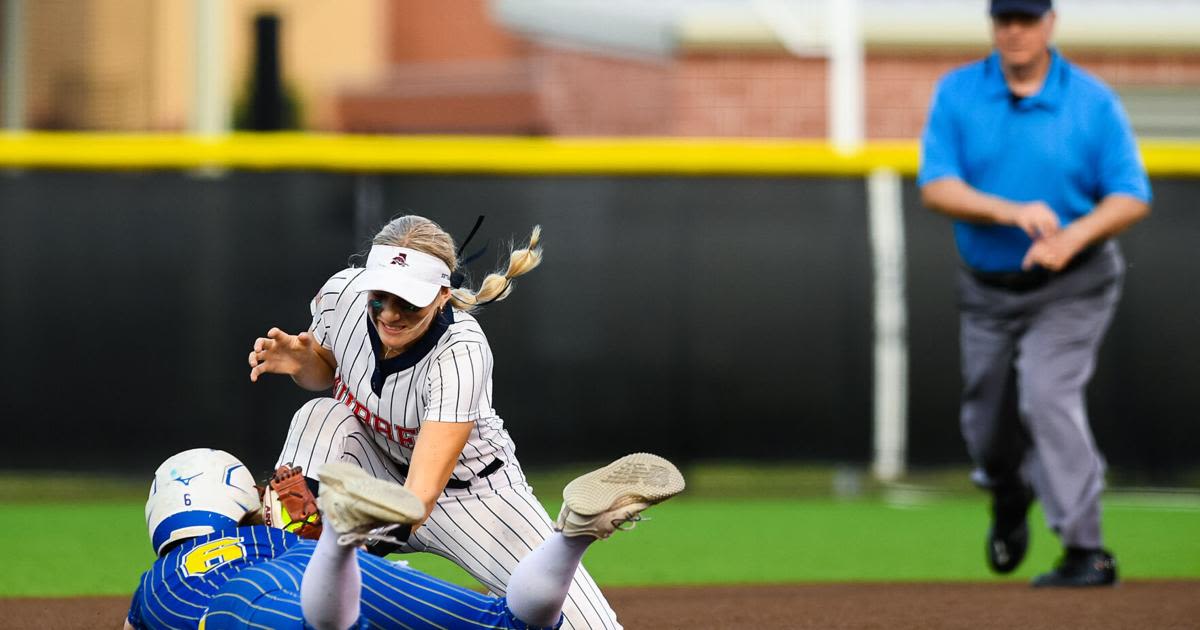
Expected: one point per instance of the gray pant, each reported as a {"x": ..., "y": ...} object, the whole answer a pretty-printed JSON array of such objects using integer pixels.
[{"x": 1026, "y": 359}]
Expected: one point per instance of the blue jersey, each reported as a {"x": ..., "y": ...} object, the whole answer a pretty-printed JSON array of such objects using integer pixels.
[
  {"x": 250, "y": 577},
  {"x": 1069, "y": 146},
  {"x": 176, "y": 591}
]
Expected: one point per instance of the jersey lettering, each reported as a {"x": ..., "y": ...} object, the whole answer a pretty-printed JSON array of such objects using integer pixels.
[
  {"x": 383, "y": 427},
  {"x": 393, "y": 432}
]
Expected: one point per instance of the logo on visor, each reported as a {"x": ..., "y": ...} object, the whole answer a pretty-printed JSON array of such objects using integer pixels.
[{"x": 400, "y": 259}]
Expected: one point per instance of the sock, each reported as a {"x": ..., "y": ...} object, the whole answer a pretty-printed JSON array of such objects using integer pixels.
[
  {"x": 332, "y": 587},
  {"x": 539, "y": 584}
]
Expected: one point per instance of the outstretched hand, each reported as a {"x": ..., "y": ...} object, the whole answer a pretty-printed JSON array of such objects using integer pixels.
[{"x": 280, "y": 353}]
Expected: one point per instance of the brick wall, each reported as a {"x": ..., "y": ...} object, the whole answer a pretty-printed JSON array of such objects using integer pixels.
[
  {"x": 765, "y": 95},
  {"x": 1157, "y": 70},
  {"x": 587, "y": 94},
  {"x": 483, "y": 97},
  {"x": 899, "y": 90},
  {"x": 749, "y": 95}
]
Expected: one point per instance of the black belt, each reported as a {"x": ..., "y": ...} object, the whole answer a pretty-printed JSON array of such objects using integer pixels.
[
  {"x": 1036, "y": 278},
  {"x": 459, "y": 484}
]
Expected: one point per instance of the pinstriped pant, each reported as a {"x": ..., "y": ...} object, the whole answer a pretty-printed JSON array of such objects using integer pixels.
[
  {"x": 1027, "y": 358},
  {"x": 485, "y": 531}
]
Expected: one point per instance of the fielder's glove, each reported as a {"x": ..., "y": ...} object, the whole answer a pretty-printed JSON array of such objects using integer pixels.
[{"x": 289, "y": 503}]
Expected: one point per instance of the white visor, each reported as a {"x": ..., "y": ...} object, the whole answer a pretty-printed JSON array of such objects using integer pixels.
[{"x": 413, "y": 276}]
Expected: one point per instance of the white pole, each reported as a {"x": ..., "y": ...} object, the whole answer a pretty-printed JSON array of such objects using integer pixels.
[
  {"x": 14, "y": 65},
  {"x": 210, "y": 108},
  {"x": 891, "y": 326},
  {"x": 845, "y": 101}
]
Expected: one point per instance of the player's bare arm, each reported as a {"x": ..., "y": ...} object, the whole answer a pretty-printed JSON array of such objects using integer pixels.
[
  {"x": 956, "y": 199},
  {"x": 438, "y": 447},
  {"x": 1111, "y": 216},
  {"x": 310, "y": 364}
]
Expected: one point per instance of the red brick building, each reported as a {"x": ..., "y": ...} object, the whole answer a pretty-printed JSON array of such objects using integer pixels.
[{"x": 619, "y": 67}]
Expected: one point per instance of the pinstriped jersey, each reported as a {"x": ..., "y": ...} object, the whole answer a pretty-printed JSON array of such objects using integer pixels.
[
  {"x": 446, "y": 376},
  {"x": 176, "y": 591}
]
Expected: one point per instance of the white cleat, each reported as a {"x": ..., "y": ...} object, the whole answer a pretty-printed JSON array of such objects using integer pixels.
[
  {"x": 598, "y": 503},
  {"x": 361, "y": 508}
]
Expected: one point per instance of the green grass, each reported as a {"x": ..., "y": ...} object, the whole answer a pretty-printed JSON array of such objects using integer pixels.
[
  {"x": 789, "y": 529},
  {"x": 82, "y": 549},
  {"x": 819, "y": 540}
]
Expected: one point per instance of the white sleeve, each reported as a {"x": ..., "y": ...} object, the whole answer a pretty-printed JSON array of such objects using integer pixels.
[
  {"x": 327, "y": 304},
  {"x": 456, "y": 382}
]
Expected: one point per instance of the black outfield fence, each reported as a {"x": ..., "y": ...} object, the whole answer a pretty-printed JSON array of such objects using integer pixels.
[{"x": 697, "y": 316}]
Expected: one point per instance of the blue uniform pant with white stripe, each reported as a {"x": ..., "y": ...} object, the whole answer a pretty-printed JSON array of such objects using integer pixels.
[{"x": 267, "y": 595}]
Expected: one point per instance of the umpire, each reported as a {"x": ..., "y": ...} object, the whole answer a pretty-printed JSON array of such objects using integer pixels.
[{"x": 1035, "y": 161}]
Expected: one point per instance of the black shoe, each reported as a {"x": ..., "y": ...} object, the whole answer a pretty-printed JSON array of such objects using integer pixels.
[
  {"x": 1008, "y": 537},
  {"x": 1081, "y": 567}
]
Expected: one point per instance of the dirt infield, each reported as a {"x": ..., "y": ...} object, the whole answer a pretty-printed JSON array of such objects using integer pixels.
[{"x": 1160, "y": 605}]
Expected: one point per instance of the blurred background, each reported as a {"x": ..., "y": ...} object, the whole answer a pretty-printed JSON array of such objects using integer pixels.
[
  {"x": 736, "y": 68},
  {"x": 738, "y": 267}
]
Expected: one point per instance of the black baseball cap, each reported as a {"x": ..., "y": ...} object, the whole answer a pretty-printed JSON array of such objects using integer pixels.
[{"x": 1035, "y": 8}]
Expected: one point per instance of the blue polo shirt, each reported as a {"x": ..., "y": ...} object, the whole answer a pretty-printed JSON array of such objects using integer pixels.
[{"x": 1070, "y": 145}]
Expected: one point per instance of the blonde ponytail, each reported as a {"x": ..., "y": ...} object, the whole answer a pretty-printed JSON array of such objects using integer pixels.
[
  {"x": 424, "y": 235},
  {"x": 496, "y": 286}
]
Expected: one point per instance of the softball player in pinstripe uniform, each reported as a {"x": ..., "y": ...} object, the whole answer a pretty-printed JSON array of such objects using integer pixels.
[
  {"x": 214, "y": 570},
  {"x": 411, "y": 370}
]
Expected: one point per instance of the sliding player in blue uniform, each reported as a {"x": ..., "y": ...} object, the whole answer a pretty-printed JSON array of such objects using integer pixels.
[{"x": 218, "y": 570}]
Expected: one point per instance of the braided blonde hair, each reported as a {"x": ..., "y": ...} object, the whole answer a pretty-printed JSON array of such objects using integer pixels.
[{"x": 421, "y": 234}]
